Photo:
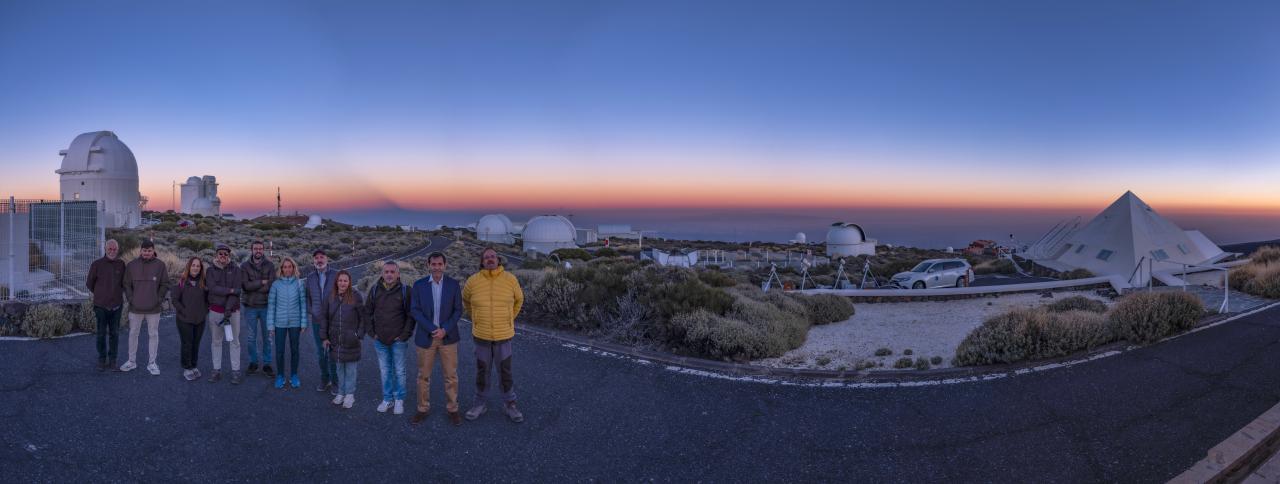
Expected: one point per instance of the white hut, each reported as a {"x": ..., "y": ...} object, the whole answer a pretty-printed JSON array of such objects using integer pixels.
[
  {"x": 495, "y": 228},
  {"x": 848, "y": 240},
  {"x": 98, "y": 166},
  {"x": 546, "y": 233},
  {"x": 1128, "y": 234}
]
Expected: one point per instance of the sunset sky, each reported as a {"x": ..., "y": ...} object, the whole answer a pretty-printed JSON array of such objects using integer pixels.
[{"x": 666, "y": 106}]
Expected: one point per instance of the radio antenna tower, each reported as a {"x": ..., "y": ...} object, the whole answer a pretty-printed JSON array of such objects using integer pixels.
[{"x": 277, "y": 201}]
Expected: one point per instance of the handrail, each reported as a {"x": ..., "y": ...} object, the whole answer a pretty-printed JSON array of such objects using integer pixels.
[
  {"x": 1136, "y": 269},
  {"x": 1226, "y": 283}
]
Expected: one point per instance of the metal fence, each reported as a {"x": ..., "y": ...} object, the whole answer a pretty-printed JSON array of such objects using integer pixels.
[{"x": 46, "y": 247}]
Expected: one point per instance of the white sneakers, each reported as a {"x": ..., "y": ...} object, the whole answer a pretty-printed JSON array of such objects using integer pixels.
[
  {"x": 128, "y": 366},
  {"x": 399, "y": 408},
  {"x": 154, "y": 369},
  {"x": 382, "y": 407},
  {"x": 348, "y": 401},
  {"x": 337, "y": 400}
]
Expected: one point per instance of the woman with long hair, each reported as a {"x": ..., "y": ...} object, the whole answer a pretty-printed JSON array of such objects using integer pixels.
[
  {"x": 287, "y": 317},
  {"x": 190, "y": 304},
  {"x": 343, "y": 322}
]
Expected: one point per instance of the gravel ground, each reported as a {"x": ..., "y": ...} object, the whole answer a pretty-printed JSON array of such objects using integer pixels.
[{"x": 928, "y": 329}]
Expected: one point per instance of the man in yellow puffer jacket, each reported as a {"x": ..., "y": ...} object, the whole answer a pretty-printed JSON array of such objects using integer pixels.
[{"x": 493, "y": 298}]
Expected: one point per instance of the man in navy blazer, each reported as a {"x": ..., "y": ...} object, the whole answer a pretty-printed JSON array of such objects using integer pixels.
[{"x": 437, "y": 307}]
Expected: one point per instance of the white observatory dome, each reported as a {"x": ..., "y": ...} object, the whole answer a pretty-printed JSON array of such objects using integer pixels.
[
  {"x": 98, "y": 166},
  {"x": 495, "y": 228},
  {"x": 848, "y": 240},
  {"x": 546, "y": 233},
  {"x": 801, "y": 238}
]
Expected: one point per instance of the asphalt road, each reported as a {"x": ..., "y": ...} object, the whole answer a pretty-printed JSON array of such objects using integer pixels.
[{"x": 1143, "y": 416}]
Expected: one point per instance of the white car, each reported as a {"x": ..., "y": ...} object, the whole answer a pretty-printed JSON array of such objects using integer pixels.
[{"x": 935, "y": 273}]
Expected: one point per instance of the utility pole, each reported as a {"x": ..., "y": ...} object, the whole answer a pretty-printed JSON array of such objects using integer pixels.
[
  {"x": 173, "y": 197},
  {"x": 277, "y": 201}
]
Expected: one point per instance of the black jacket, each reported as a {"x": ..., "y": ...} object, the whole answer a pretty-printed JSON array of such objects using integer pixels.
[
  {"x": 389, "y": 309},
  {"x": 190, "y": 302},
  {"x": 344, "y": 325},
  {"x": 255, "y": 292}
]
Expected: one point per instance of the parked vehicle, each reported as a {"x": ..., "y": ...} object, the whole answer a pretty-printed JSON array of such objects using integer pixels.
[{"x": 935, "y": 273}]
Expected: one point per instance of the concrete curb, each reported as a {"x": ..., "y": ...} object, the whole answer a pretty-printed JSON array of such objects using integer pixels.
[
  {"x": 855, "y": 378},
  {"x": 1235, "y": 459}
]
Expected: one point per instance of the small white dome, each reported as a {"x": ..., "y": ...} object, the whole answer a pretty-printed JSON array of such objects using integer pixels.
[
  {"x": 801, "y": 238},
  {"x": 494, "y": 224},
  {"x": 549, "y": 229},
  {"x": 546, "y": 233},
  {"x": 843, "y": 233}
]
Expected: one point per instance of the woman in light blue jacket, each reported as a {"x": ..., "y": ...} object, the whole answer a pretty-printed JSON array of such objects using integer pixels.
[{"x": 287, "y": 317}]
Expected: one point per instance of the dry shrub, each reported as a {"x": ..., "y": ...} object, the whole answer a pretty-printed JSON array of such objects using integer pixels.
[
  {"x": 1076, "y": 274},
  {"x": 1077, "y": 303},
  {"x": 1030, "y": 334},
  {"x": 85, "y": 319},
  {"x": 47, "y": 321},
  {"x": 1260, "y": 279},
  {"x": 827, "y": 308},
  {"x": 1266, "y": 255},
  {"x": 1146, "y": 317}
]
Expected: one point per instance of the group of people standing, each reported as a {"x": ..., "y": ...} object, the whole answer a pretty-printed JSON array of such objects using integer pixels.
[{"x": 275, "y": 305}]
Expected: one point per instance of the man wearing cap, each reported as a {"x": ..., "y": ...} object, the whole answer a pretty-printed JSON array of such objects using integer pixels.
[
  {"x": 320, "y": 286},
  {"x": 224, "y": 282}
]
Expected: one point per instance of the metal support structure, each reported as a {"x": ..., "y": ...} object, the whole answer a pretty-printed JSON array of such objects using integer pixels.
[
  {"x": 13, "y": 257},
  {"x": 62, "y": 238}
]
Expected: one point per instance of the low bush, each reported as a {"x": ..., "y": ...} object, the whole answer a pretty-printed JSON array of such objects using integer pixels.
[
  {"x": 903, "y": 363},
  {"x": 922, "y": 364},
  {"x": 884, "y": 352},
  {"x": 1259, "y": 277},
  {"x": 1074, "y": 274},
  {"x": 1077, "y": 303},
  {"x": 908, "y": 352},
  {"x": 823, "y": 360},
  {"x": 1265, "y": 255},
  {"x": 194, "y": 245},
  {"x": 566, "y": 254},
  {"x": 606, "y": 252},
  {"x": 1146, "y": 317},
  {"x": 998, "y": 266},
  {"x": 827, "y": 308},
  {"x": 937, "y": 360},
  {"x": 716, "y": 278},
  {"x": 1030, "y": 334},
  {"x": 85, "y": 319},
  {"x": 47, "y": 321}
]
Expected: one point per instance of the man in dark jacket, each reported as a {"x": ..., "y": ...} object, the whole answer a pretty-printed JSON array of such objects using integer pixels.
[
  {"x": 106, "y": 283},
  {"x": 146, "y": 283},
  {"x": 391, "y": 327},
  {"x": 224, "y": 282},
  {"x": 259, "y": 272},
  {"x": 319, "y": 286},
  {"x": 437, "y": 307}
]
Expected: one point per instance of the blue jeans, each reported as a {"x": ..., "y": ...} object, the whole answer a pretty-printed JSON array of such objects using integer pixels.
[
  {"x": 390, "y": 357},
  {"x": 328, "y": 367},
  {"x": 254, "y": 323},
  {"x": 347, "y": 373},
  {"x": 108, "y": 332},
  {"x": 291, "y": 335}
]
